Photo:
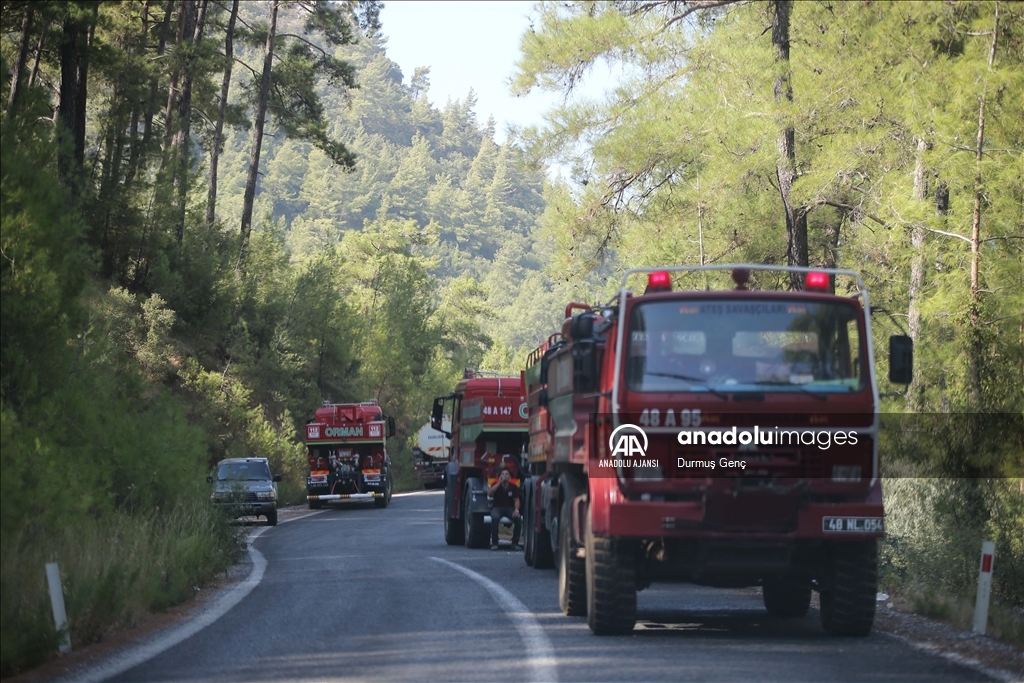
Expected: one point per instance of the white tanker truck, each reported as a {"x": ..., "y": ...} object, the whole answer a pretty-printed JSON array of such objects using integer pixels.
[{"x": 430, "y": 455}]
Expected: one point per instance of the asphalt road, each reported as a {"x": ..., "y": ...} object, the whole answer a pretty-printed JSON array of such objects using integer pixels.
[{"x": 361, "y": 594}]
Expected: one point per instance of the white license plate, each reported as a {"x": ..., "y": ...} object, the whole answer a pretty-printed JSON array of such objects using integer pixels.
[{"x": 852, "y": 524}]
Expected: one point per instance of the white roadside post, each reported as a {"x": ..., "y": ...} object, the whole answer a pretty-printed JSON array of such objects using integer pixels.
[
  {"x": 988, "y": 552},
  {"x": 60, "y": 615}
]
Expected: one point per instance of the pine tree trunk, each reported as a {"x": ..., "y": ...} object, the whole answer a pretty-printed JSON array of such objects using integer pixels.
[
  {"x": 180, "y": 142},
  {"x": 74, "y": 71},
  {"x": 137, "y": 105},
  {"x": 796, "y": 217},
  {"x": 257, "y": 139},
  {"x": 186, "y": 25},
  {"x": 18, "y": 74},
  {"x": 974, "y": 314},
  {"x": 218, "y": 133},
  {"x": 140, "y": 149},
  {"x": 917, "y": 267},
  {"x": 35, "y": 63}
]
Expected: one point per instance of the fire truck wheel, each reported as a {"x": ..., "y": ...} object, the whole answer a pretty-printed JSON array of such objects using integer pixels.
[
  {"x": 538, "y": 543},
  {"x": 572, "y": 570},
  {"x": 529, "y": 542},
  {"x": 544, "y": 556},
  {"x": 454, "y": 532},
  {"x": 272, "y": 518},
  {"x": 849, "y": 590},
  {"x": 315, "y": 505},
  {"x": 476, "y": 531},
  {"x": 786, "y": 597},
  {"x": 383, "y": 502},
  {"x": 611, "y": 585}
]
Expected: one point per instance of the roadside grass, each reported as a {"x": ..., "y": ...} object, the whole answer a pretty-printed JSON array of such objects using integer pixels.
[
  {"x": 932, "y": 549},
  {"x": 114, "y": 569},
  {"x": 1003, "y": 623},
  {"x": 291, "y": 490}
]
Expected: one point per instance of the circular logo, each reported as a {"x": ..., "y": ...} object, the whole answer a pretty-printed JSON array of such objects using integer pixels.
[{"x": 625, "y": 440}]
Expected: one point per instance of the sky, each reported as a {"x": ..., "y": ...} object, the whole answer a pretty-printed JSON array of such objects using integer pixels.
[{"x": 468, "y": 45}]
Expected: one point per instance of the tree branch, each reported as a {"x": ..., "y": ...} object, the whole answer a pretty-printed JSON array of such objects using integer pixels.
[
  {"x": 696, "y": 5},
  {"x": 689, "y": 7},
  {"x": 947, "y": 234},
  {"x": 251, "y": 70},
  {"x": 300, "y": 38},
  {"x": 853, "y": 209}
]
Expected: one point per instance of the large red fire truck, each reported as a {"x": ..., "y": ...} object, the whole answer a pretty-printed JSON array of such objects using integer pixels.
[
  {"x": 488, "y": 432},
  {"x": 347, "y": 454},
  {"x": 726, "y": 437}
]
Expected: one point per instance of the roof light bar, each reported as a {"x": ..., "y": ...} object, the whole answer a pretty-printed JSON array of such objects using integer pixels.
[
  {"x": 818, "y": 281},
  {"x": 659, "y": 281}
]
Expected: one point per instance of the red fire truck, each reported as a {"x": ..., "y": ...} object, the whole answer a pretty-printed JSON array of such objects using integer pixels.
[
  {"x": 488, "y": 432},
  {"x": 347, "y": 453},
  {"x": 727, "y": 438}
]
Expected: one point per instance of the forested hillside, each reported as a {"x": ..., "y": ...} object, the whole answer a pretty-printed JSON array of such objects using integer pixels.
[{"x": 216, "y": 215}]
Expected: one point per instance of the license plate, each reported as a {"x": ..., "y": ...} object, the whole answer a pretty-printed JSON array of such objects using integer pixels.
[{"x": 853, "y": 524}]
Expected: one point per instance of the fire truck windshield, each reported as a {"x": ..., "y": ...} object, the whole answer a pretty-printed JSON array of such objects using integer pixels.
[{"x": 744, "y": 345}]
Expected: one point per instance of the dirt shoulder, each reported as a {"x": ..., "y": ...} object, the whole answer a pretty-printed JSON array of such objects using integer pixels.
[{"x": 998, "y": 659}]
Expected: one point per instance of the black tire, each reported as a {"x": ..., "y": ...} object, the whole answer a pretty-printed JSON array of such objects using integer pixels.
[
  {"x": 476, "y": 531},
  {"x": 272, "y": 517},
  {"x": 611, "y": 585},
  {"x": 849, "y": 589},
  {"x": 529, "y": 544},
  {"x": 786, "y": 597},
  {"x": 454, "y": 532},
  {"x": 538, "y": 543},
  {"x": 384, "y": 501},
  {"x": 545, "y": 555},
  {"x": 314, "y": 504},
  {"x": 572, "y": 570}
]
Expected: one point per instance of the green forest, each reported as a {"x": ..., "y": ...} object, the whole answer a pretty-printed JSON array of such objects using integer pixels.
[{"x": 216, "y": 215}]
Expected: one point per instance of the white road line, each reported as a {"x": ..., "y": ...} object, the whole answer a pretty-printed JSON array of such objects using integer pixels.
[
  {"x": 417, "y": 493},
  {"x": 133, "y": 656},
  {"x": 540, "y": 652}
]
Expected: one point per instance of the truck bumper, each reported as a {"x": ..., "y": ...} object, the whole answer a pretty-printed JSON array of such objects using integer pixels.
[
  {"x": 250, "y": 509},
  {"x": 346, "y": 496},
  {"x": 653, "y": 519}
]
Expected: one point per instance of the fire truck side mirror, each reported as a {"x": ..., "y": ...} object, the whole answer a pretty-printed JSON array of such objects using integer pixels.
[
  {"x": 901, "y": 359},
  {"x": 436, "y": 414},
  {"x": 391, "y": 426}
]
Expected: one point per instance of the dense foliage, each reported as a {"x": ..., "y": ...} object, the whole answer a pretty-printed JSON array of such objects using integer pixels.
[
  {"x": 216, "y": 215},
  {"x": 162, "y": 309}
]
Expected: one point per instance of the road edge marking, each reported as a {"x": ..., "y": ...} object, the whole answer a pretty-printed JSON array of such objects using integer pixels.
[
  {"x": 138, "y": 654},
  {"x": 406, "y": 494},
  {"x": 955, "y": 658},
  {"x": 539, "y": 650}
]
